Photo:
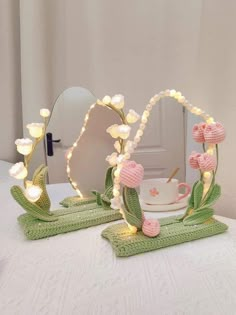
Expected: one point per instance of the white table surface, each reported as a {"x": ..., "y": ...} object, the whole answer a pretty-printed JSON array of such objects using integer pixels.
[{"x": 78, "y": 272}]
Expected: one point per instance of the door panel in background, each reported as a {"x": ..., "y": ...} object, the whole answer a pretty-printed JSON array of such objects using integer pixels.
[{"x": 162, "y": 147}]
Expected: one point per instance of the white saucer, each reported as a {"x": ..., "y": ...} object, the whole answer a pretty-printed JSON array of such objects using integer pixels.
[{"x": 161, "y": 208}]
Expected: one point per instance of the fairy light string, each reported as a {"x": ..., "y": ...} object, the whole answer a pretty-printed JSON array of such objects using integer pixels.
[{"x": 69, "y": 155}]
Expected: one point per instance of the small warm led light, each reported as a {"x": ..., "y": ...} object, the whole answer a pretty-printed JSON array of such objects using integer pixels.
[
  {"x": 106, "y": 99},
  {"x": 74, "y": 144},
  {"x": 69, "y": 155},
  {"x": 207, "y": 175},
  {"x": 210, "y": 151},
  {"x": 117, "y": 173},
  {"x": 24, "y": 146},
  {"x": 132, "y": 229},
  {"x": 172, "y": 93},
  {"x": 198, "y": 111},
  {"x": 132, "y": 117},
  {"x": 18, "y": 171},
  {"x": 177, "y": 95},
  {"x": 29, "y": 183},
  {"x": 35, "y": 129},
  {"x": 44, "y": 112},
  {"x": 33, "y": 193},
  {"x": 210, "y": 120}
]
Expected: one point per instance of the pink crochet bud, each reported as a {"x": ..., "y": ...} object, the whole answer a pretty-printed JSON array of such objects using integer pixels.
[
  {"x": 193, "y": 160},
  {"x": 198, "y": 132},
  {"x": 131, "y": 174},
  {"x": 151, "y": 227},
  {"x": 207, "y": 162},
  {"x": 214, "y": 133}
]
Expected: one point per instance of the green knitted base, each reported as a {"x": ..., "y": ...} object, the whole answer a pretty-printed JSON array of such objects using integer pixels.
[
  {"x": 172, "y": 232},
  {"x": 70, "y": 219},
  {"x": 76, "y": 201}
]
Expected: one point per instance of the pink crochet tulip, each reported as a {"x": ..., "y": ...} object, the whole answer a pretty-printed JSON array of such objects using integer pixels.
[
  {"x": 207, "y": 162},
  {"x": 214, "y": 133},
  {"x": 198, "y": 132},
  {"x": 151, "y": 227},
  {"x": 131, "y": 174},
  {"x": 193, "y": 160}
]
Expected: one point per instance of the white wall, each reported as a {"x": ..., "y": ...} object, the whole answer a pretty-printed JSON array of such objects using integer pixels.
[
  {"x": 10, "y": 83},
  {"x": 216, "y": 86}
]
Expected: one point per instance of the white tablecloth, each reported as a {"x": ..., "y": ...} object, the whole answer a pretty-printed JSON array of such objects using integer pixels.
[{"x": 78, "y": 273}]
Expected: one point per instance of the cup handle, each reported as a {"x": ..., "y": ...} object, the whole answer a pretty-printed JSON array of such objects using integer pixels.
[{"x": 187, "y": 190}]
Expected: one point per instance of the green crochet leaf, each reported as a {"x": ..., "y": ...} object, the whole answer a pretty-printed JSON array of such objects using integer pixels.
[
  {"x": 109, "y": 192},
  {"x": 198, "y": 192},
  {"x": 191, "y": 198},
  {"x": 181, "y": 217},
  {"x": 98, "y": 197},
  {"x": 213, "y": 196},
  {"x": 199, "y": 217},
  {"x": 32, "y": 208},
  {"x": 105, "y": 198},
  {"x": 39, "y": 179},
  {"x": 109, "y": 178},
  {"x": 131, "y": 202},
  {"x": 105, "y": 204},
  {"x": 132, "y": 219}
]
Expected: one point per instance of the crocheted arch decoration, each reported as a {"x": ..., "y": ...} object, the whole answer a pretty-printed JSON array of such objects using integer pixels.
[{"x": 127, "y": 175}]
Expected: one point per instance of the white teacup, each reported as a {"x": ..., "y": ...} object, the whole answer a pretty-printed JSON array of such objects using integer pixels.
[{"x": 157, "y": 191}]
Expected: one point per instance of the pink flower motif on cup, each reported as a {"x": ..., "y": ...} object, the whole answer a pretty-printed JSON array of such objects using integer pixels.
[
  {"x": 193, "y": 160},
  {"x": 198, "y": 132},
  {"x": 131, "y": 174},
  {"x": 207, "y": 162},
  {"x": 214, "y": 133},
  {"x": 151, "y": 227},
  {"x": 153, "y": 192}
]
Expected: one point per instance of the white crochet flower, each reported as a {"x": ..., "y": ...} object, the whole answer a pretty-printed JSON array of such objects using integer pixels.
[
  {"x": 116, "y": 203},
  {"x": 117, "y": 131},
  {"x": 33, "y": 193},
  {"x": 106, "y": 100},
  {"x": 24, "y": 145},
  {"x": 112, "y": 159},
  {"x": 44, "y": 112},
  {"x": 18, "y": 170},
  {"x": 124, "y": 131},
  {"x": 118, "y": 101},
  {"x": 35, "y": 129},
  {"x": 113, "y": 131},
  {"x": 132, "y": 117}
]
